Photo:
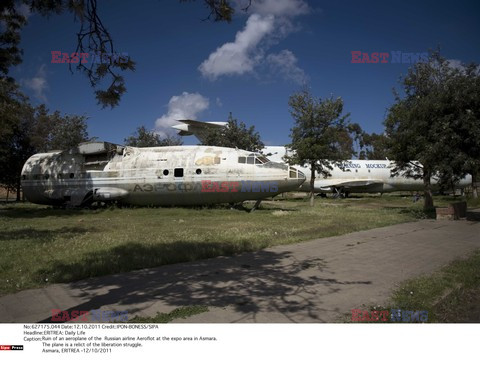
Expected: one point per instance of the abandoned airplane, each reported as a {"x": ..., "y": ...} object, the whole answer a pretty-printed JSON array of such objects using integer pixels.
[
  {"x": 159, "y": 176},
  {"x": 361, "y": 176},
  {"x": 358, "y": 176}
]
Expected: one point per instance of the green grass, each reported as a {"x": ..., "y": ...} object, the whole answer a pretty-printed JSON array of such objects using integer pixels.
[
  {"x": 181, "y": 312},
  {"x": 41, "y": 245},
  {"x": 447, "y": 295}
]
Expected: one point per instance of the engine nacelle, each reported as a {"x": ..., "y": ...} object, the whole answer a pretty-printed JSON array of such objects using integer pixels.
[{"x": 109, "y": 193}]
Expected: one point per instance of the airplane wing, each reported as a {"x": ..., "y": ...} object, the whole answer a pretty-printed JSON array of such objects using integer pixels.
[
  {"x": 195, "y": 127},
  {"x": 203, "y": 124},
  {"x": 356, "y": 183},
  {"x": 348, "y": 185}
]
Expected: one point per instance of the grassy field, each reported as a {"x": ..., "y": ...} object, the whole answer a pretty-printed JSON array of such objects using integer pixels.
[{"x": 41, "y": 245}]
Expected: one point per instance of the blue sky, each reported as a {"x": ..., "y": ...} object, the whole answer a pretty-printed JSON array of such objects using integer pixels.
[{"x": 250, "y": 67}]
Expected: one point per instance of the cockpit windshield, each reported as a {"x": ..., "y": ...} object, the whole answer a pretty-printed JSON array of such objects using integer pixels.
[
  {"x": 253, "y": 159},
  {"x": 261, "y": 159}
]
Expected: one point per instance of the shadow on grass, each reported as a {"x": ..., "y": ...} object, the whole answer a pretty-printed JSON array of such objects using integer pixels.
[
  {"x": 15, "y": 211},
  {"x": 431, "y": 214},
  {"x": 417, "y": 213},
  {"x": 134, "y": 256},
  {"x": 473, "y": 216},
  {"x": 30, "y": 233},
  {"x": 264, "y": 281},
  {"x": 39, "y": 212}
]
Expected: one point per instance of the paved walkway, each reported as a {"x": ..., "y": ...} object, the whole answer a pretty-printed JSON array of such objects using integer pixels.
[{"x": 315, "y": 281}]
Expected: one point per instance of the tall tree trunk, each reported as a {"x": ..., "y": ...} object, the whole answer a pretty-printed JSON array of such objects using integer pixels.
[
  {"x": 428, "y": 197},
  {"x": 312, "y": 182}
]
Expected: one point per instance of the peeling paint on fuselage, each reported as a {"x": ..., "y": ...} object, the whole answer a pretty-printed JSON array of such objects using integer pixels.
[{"x": 160, "y": 176}]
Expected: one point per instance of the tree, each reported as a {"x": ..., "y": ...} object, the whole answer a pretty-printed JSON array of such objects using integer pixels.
[
  {"x": 92, "y": 38},
  {"x": 220, "y": 10},
  {"x": 25, "y": 130},
  {"x": 433, "y": 129},
  {"x": 15, "y": 147},
  {"x": 319, "y": 135},
  {"x": 234, "y": 135},
  {"x": 12, "y": 23},
  {"x": 376, "y": 146},
  {"x": 354, "y": 139},
  {"x": 145, "y": 138},
  {"x": 464, "y": 116},
  {"x": 56, "y": 132}
]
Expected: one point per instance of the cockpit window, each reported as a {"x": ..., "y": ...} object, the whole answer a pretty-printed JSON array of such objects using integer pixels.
[
  {"x": 262, "y": 159},
  {"x": 253, "y": 159},
  {"x": 295, "y": 173}
]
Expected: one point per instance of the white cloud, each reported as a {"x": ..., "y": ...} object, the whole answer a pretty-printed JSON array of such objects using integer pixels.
[
  {"x": 38, "y": 84},
  {"x": 285, "y": 63},
  {"x": 280, "y": 8},
  {"x": 241, "y": 55},
  {"x": 270, "y": 22},
  {"x": 185, "y": 106}
]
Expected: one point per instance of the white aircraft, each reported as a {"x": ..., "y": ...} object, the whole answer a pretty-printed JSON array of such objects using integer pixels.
[
  {"x": 163, "y": 176},
  {"x": 359, "y": 176},
  {"x": 370, "y": 176}
]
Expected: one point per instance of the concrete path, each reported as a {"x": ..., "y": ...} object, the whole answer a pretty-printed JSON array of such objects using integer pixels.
[{"x": 315, "y": 281}]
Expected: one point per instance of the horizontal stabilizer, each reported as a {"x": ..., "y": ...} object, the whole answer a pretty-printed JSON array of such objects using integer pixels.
[
  {"x": 203, "y": 124},
  {"x": 197, "y": 128}
]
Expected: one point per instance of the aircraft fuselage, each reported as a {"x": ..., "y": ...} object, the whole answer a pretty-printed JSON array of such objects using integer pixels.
[
  {"x": 161, "y": 176},
  {"x": 360, "y": 176}
]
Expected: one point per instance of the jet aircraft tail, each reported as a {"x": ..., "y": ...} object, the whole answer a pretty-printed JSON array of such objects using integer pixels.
[{"x": 197, "y": 128}]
